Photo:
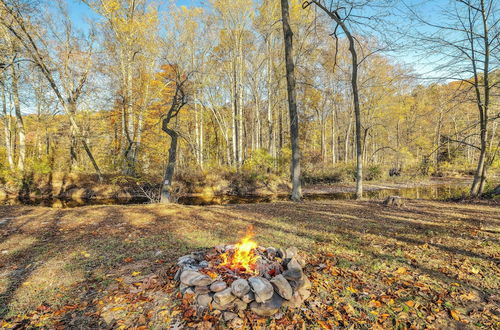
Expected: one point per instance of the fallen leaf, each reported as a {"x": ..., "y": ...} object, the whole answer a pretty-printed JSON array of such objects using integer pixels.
[
  {"x": 401, "y": 271},
  {"x": 455, "y": 314},
  {"x": 349, "y": 309},
  {"x": 351, "y": 289},
  {"x": 324, "y": 325}
]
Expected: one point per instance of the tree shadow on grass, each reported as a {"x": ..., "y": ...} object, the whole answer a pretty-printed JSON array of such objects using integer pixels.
[
  {"x": 94, "y": 248},
  {"x": 25, "y": 261}
]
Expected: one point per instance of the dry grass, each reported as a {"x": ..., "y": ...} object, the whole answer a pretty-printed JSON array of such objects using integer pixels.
[{"x": 54, "y": 257}]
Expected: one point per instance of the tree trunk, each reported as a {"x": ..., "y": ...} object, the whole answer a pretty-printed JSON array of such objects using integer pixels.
[
  {"x": 19, "y": 120},
  {"x": 128, "y": 123},
  {"x": 200, "y": 144},
  {"x": 323, "y": 139},
  {"x": 166, "y": 194},
  {"x": 235, "y": 128},
  {"x": 7, "y": 127},
  {"x": 270, "y": 146},
  {"x": 334, "y": 137},
  {"x": 240, "y": 102},
  {"x": 438, "y": 138},
  {"x": 357, "y": 115},
  {"x": 480, "y": 175},
  {"x": 73, "y": 138},
  {"x": 258, "y": 134},
  {"x": 281, "y": 134},
  {"x": 347, "y": 139},
  {"x": 292, "y": 104}
]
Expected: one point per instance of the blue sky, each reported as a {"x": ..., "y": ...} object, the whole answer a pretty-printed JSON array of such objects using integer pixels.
[{"x": 80, "y": 11}]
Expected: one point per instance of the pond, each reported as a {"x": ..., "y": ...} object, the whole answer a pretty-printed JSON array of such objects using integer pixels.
[{"x": 436, "y": 192}]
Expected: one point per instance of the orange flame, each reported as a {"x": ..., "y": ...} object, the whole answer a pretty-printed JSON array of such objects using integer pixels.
[{"x": 244, "y": 259}]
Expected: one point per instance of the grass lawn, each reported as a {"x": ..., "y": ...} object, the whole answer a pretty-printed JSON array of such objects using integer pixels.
[{"x": 428, "y": 264}]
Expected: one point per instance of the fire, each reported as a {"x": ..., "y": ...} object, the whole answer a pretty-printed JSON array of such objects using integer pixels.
[{"x": 243, "y": 259}]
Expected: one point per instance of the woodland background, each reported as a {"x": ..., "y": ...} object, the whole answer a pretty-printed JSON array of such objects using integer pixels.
[{"x": 113, "y": 78}]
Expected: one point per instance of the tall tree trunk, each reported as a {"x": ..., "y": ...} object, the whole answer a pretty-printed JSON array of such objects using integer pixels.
[
  {"x": 438, "y": 139},
  {"x": 200, "y": 143},
  {"x": 281, "y": 134},
  {"x": 398, "y": 138},
  {"x": 334, "y": 137},
  {"x": 323, "y": 140},
  {"x": 347, "y": 139},
  {"x": 270, "y": 124},
  {"x": 196, "y": 130},
  {"x": 128, "y": 123},
  {"x": 7, "y": 126},
  {"x": 257, "y": 130},
  {"x": 292, "y": 103},
  {"x": 483, "y": 105},
  {"x": 19, "y": 120},
  {"x": 240, "y": 101},
  {"x": 357, "y": 115},
  {"x": 138, "y": 141},
  {"x": 166, "y": 194},
  {"x": 140, "y": 124},
  {"x": 235, "y": 128},
  {"x": 73, "y": 138}
]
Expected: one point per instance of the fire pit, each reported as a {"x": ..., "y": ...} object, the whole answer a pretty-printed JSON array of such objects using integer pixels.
[{"x": 234, "y": 278}]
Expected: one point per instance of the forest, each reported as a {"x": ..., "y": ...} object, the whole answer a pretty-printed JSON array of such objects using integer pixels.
[
  {"x": 293, "y": 117},
  {"x": 92, "y": 96}
]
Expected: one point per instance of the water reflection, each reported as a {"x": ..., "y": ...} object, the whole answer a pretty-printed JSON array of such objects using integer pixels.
[
  {"x": 70, "y": 203},
  {"x": 436, "y": 192}
]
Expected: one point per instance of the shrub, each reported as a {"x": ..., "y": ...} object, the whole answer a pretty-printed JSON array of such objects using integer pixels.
[
  {"x": 373, "y": 172},
  {"x": 340, "y": 172},
  {"x": 283, "y": 161},
  {"x": 259, "y": 162},
  {"x": 40, "y": 166}
]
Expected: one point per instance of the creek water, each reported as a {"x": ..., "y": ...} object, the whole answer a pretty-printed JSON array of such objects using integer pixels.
[
  {"x": 435, "y": 192},
  {"x": 441, "y": 191}
]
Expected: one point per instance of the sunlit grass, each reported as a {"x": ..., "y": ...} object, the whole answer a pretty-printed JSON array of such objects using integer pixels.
[
  {"x": 50, "y": 282},
  {"x": 16, "y": 243}
]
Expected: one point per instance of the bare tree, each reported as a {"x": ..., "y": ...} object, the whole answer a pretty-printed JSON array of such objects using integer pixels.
[
  {"x": 465, "y": 44},
  {"x": 292, "y": 102},
  {"x": 25, "y": 32},
  {"x": 19, "y": 117},
  {"x": 12, "y": 55},
  {"x": 334, "y": 12},
  {"x": 7, "y": 122},
  {"x": 177, "y": 81}
]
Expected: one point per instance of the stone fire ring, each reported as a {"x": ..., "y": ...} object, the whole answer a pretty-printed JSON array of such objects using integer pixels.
[{"x": 229, "y": 292}]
